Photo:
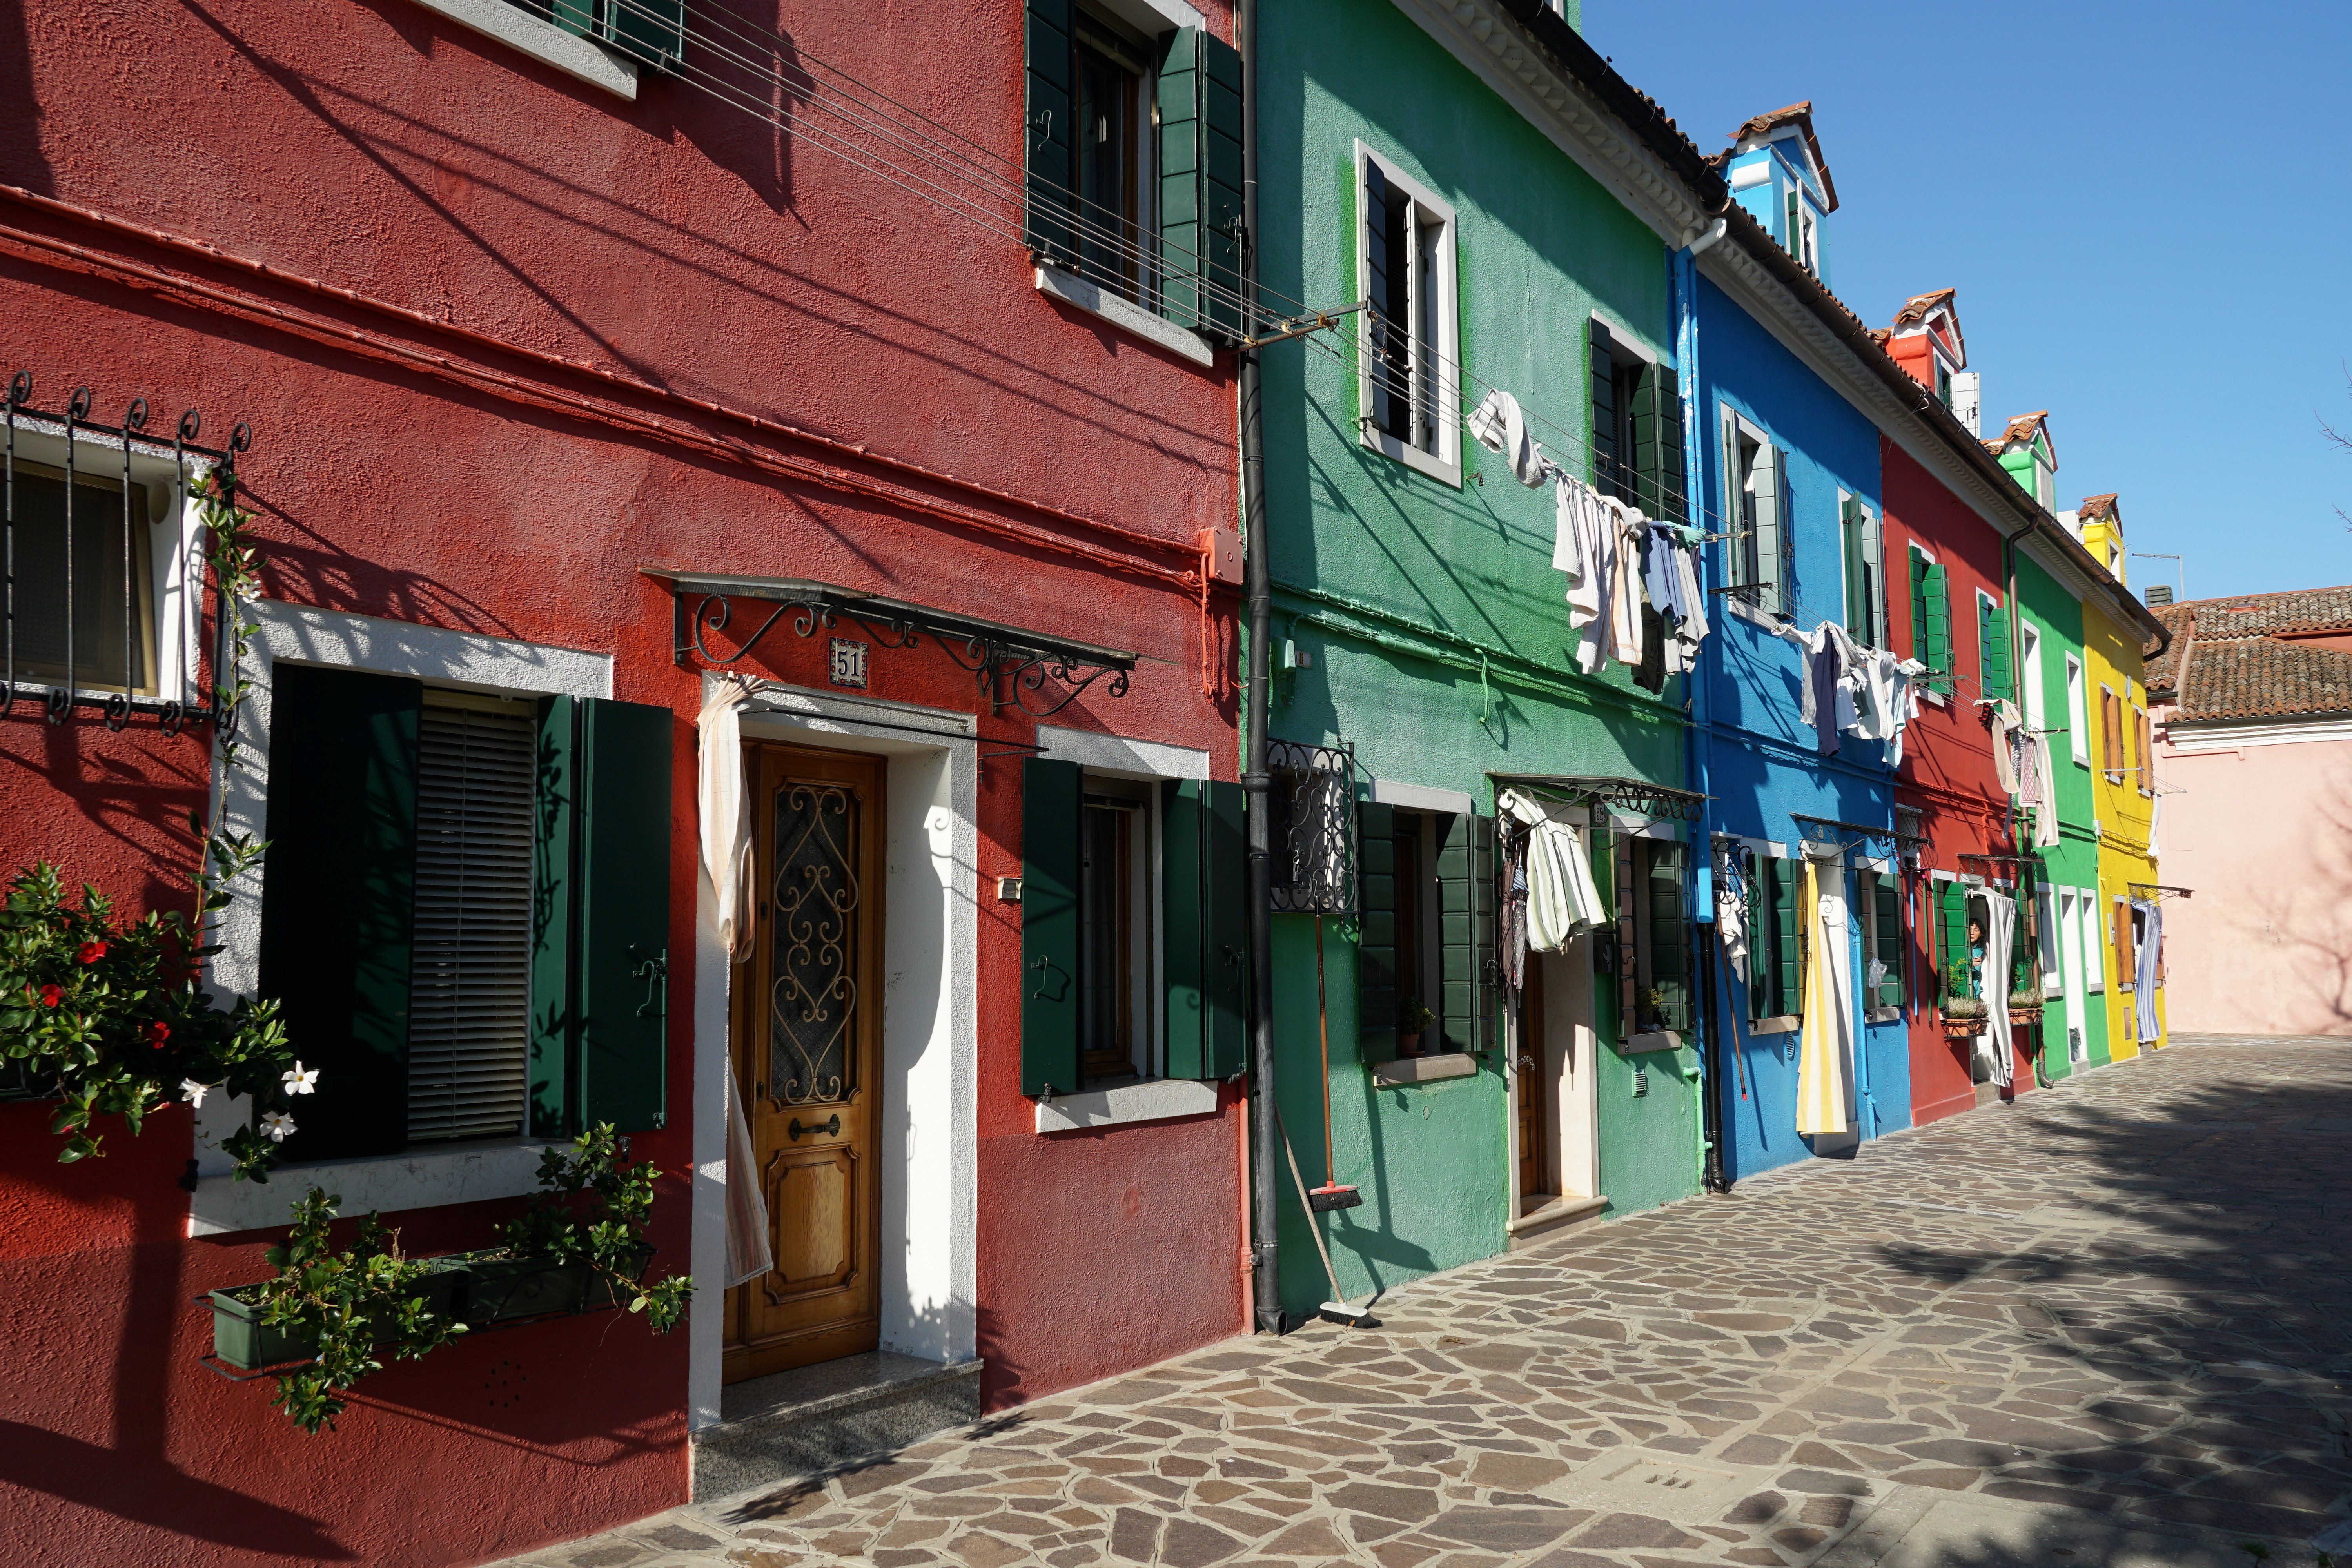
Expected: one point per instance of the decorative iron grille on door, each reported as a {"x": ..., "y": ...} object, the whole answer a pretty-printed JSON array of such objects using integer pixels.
[
  {"x": 813, "y": 997},
  {"x": 1314, "y": 829}
]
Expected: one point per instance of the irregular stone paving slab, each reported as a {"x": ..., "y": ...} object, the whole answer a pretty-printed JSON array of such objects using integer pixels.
[{"x": 2103, "y": 1324}]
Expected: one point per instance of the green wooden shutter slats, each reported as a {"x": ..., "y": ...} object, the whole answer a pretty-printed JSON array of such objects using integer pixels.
[
  {"x": 1052, "y": 803},
  {"x": 1200, "y": 98},
  {"x": 1376, "y": 953},
  {"x": 553, "y": 915},
  {"x": 338, "y": 898},
  {"x": 1049, "y": 96},
  {"x": 1201, "y": 858},
  {"x": 1937, "y": 589},
  {"x": 1771, "y": 537},
  {"x": 1607, "y": 460},
  {"x": 619, "y": 1048},
  {"x": 1887, "y": 913},
  {"x": 1992, "y": 645},
  {"x": 1466, "y": 939},
  {"x": 1788, "y": 955},
  {"x": 652, "y": 32},
  {"x": 1919, "y": 647},
  {"x": 1958, "y": 976},
  {"x": 1658, "y": 444}
]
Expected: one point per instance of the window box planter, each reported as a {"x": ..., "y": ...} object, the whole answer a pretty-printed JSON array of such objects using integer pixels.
[
  {"x": 242, "y": 1340},
  {"x": 501, "y": 1288},
  {"x": 2024, "y": 1017},
  {"x": 1962, "y": 1028}
]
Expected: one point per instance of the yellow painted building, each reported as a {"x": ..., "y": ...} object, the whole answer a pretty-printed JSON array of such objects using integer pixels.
[{"x": 2123, "y": 779}]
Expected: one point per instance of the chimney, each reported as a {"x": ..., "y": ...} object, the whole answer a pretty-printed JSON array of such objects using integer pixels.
[
  {"x": 1967, "y": 399},
  {"x": 2160, "y": 593}
]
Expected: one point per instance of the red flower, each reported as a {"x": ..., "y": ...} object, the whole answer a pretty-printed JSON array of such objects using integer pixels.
[
  {"x": 89, "y": 952},
  {"x": 157, "y": 1033},
  {"x": 51, "y": 995}
]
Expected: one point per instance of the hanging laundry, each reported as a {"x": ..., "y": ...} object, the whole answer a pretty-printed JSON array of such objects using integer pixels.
[
  {"x": 1583, "y": 536},
  {"x": 2000, "y": 920},
  {"x": 1501, "y": 426},
  {"x": 1825, "y": 1038},
  {"x": 2155, "y": 816},
  {"x": 2004, "y": 724},
  {"x": 1824, "y": 670},
  {"x": 1562, "y": 899},
  {"x": 2045, "y": 795},
  {"x": 2149, "y": 1027},
  {"x": 1624, "y": 617},
  {"x": 1650, "y": 670},
  {"x": 1731, "y": 916}
]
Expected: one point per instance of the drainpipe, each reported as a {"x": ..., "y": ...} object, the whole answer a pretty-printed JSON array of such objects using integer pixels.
[
  {"x": 1257, "y": 588},
  {"x": 1701, "y": 731},
  {"x": 2016, "y": 819}
]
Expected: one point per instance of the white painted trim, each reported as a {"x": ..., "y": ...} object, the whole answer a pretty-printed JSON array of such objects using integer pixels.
[
  {"x": 1125, "y": 314},
  {"x": 1420, "y": 797},
  {"x": 1120, "y": 754},
  {"x": 425, "y": 1178},
  {"x": 1445, "y": 463},
  {"x": 1150, "y": 16},
  {"x": 1787, "y": 1024},
  {"x": 1424, "y": 1070},
  {"x": 543, "y": 41},
  {"x": 1622, "y": 338},
  {"x": 1159, "y": 1100},
  {"x": 2191, "y": 739},
  {"x": 299, "y": 634}
]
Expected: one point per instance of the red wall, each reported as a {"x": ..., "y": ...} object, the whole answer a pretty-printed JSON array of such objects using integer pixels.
[
  {"x": 412, "y": 472},
  {"x": 1947, "y": 767}
]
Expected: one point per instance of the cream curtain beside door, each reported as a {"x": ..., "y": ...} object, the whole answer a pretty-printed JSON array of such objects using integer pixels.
[
  {"x": 726, "y": 862},
  {"x": 1825, "y": 1038}
]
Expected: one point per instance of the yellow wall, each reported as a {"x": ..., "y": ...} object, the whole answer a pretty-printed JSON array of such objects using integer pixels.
[{"x": 2122, "y": 799}]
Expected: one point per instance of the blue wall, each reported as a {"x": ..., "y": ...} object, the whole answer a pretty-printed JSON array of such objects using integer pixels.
[{"x": 1757, "y": 756}]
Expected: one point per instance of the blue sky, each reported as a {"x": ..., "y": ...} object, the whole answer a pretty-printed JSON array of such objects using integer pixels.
[{"x": 2142, "y": 208}]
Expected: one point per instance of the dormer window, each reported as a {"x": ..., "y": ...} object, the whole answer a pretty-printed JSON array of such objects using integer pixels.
[
  {"x": 1943, "y": 383},
  {"x": 2045, "y": 479}
]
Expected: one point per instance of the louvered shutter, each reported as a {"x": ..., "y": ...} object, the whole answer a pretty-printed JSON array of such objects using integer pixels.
[
  {"x": 1608, "y": 459},
  {"x": 1919, "y": 647},
  {"x": 1465, "y": 921},
  {"x": 469, "y": 1006},
  {"x": 2146, "y": 752},
  {"x": 1737, "y": 552},
  {"x": 1052, "y": 803},
  {"x": 1958, "y": 976},
  {"x": 652, "y": 32},
  {"x": 1201, "y": 858},
  {"x": 338, "y": 898},
  {"x": 1383, "y": 325},
  {"x": 2111, "y": 740},
  {"x": 1199, "y": 99},
  {"x": 556, "y": 819},
  {"x": 1788, "y": 955},
  {"x": 2126, "y": 969},
  {"x": 1658, "y": 444},
  {"x": 1376, "y": 951},
  {"x": 1887, "y": 911},
  {"x": 620, "y": 946},
  {"x": 1771, "y": 547},
  {"x": 1050, "y": 53},
  {"x": 1995, "y": 671},
  {"x": 1939, "y": 628}
]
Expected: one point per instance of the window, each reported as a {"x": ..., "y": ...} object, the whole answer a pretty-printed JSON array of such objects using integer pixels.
[
  {"x": 2143, "y": 749},
  {"x": 2048, "y": 929},
  {"x": 1652, "y": 927},
  {"x": 1881, "y": 896},
  {"x": 1943, "y": 383},
  {"x": 1775, "y": 968},
  {"x": 1637, "y": 426},
  {"x": 1131, "y": 943},
  {"x": 2086, "y": 921},
  {"x": 1865, "y": 571},
  {"x": 1134, "y": 165},
  {"x": 1427, "y": 931},
  {"x": 651, "y": 31},
  {"x": 1931, "y": 621},
  {"x": 2078, "y": 720},
  {"x": 2122, "y": 922},
  {"x": 2030, "y": 662},
  {"x": 1408, "y": 371},
  {"x": 1760, "y": 561},
  {"x": 2111, "y": 735},
  {"x": 1996, "y": 676},
  {"x": 464, "y": 910},
  {"x": 2045, "y": 481},
  {"x": 107, "y": 601}
]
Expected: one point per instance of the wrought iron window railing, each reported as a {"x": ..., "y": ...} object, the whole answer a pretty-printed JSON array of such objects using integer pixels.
[
  {"x": 109, "y": 601},
  {"x": 1313, "y": 829}
]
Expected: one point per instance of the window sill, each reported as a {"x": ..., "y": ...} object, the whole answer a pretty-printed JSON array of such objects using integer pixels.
[
  {"x": 1883, "y": 1016},
  {"x": 1742, "y": 610},
  {"x": 1424, "y": 1070},
  {"x": 1650, "y": 1040},
  {"x": 1389, "y": 447},
  {"x": 1788, "y": 1024},
  {"x": 1155, "y": 1100},
  {"x": 1124, "y": 314},
  {"x": 429, "y": 1179},
  {"x": 543, "y": 41}
]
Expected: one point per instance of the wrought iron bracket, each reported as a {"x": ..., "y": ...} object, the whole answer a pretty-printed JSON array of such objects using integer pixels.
[
  {"x": 1661, "y": 803},
  {"x": 1033, "y": 672}
]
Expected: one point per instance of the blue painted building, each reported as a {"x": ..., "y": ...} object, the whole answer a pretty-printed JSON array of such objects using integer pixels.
[{"x": 1788, "y": 466}]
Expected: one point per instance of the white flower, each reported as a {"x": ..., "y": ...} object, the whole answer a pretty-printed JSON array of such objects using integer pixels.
[
  {"x": 194, "y": 1092},
  {"x": 277, "y": 1124},
  {"x": 300, "y": 1082}
]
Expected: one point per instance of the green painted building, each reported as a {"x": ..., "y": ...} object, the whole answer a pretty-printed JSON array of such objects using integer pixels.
[{"x": 1419, "y": 620}]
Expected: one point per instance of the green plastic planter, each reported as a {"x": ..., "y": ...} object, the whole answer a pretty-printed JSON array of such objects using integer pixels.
[
  {"x": 500, "y": 1287},
  {"x": 241, "y": 1340}
]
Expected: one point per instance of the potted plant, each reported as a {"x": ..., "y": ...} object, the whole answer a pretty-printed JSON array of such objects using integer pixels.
[
  {"x": 2024, "y": 1007},
  {"x": 580, "y": 1246},
  {"x": 1964, "y": 1012}
]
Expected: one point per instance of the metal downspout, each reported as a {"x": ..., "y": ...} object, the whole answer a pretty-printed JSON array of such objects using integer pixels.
[
  {"x": 1257, "y": 587},
  {"x": 1701, "y": 729}
]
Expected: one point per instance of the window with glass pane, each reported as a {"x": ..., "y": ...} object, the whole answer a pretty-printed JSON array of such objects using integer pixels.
[
  {"x": 103, "y": 595},
  {"x": 1115, "y": 931},
  {"x": 1114, "y": 155}
]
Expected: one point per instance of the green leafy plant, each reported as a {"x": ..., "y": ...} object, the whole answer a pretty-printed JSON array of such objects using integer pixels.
[
  {"x": 349, "y": 1303},
  {"x": 592, "y": 1209},
  {"x": 2025, "y": 999},
  {"x": 1411, "y": 1016},
  {"x": 111, "y": 1013}
]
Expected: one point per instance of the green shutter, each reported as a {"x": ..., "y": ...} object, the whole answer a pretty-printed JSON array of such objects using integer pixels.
[
  {"x": 1658, "y": 444},
  {"x": 553, "y": 917},
  {"x": 1051, "y": 806},
  {"x": 338, "y": 898},
  {"x": 1376, "y": 953},
  {"x": 1857, "y": 583},
  {"x": 626, "y": 758},
  {"x": 650, "y": 31},
  {"x": 1669, "y": 934},
  {"x": 1771, "y": 537},
  {"x": 1788, "y": 954},
  {"x": 1957, "y": 977},
  {"x": 1466, "y": 879},
  {"x": 1201, "y": 182},
  {"x": 1887, "y": 911},
  {"x": 1607, "y": 460},
  {"x": 1052, "y": 138},
  {"x": 1995, "y": 671},
  {"x": 1919, "y": 607},
  {"x": 1378, "y": 344},
  {"x": 1203, "y": 902},
  {"x": 1937, "y": 590}
]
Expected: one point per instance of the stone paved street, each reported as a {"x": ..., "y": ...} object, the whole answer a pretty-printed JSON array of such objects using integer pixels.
[{"x": 2103, "y": 1325}]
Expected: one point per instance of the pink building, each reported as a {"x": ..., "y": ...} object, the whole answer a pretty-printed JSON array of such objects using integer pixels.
[{"x": 2254, "y": 722}]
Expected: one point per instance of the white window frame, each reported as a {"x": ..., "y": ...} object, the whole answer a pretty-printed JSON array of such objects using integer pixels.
[
  {"x": 2028, "y": 673},
  {"x": 1146, "y": 979},
  {"x": 428, "y": 1175},
  {"x": 1445, "y": 463},
  {"x": 1743, "y": 484},
  {"x": 543, "y": 41},
  {"x": 2078, "y": 719},
  {"x": 2051, "y": 948}
]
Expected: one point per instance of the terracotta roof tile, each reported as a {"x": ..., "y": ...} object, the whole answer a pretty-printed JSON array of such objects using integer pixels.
[
  {"x": 1916, "y": 309},
  {"x": 2243, "y": 660},
  {"x": 1800, "y": 115},
  {"x": 2097, "y": 508}
]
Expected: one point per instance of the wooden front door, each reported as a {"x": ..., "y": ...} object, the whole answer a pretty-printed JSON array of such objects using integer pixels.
[
  {"x": 1533, "y": 1086},
  {"x": 807, "y": 1045}
]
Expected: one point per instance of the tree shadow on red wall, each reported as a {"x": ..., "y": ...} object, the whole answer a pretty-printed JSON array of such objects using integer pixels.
[{"x": 165, "y": 1499}]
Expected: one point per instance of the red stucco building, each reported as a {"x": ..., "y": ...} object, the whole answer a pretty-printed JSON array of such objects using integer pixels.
[{"x": 550, "y": 344}]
